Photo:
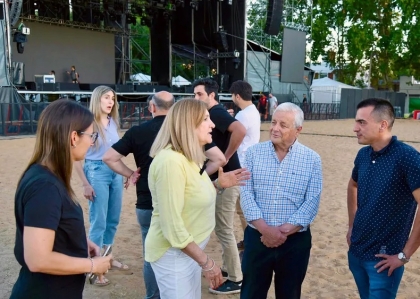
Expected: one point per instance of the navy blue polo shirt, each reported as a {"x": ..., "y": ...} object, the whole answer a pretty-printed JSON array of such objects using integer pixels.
[{"x": 385, "y": 203}]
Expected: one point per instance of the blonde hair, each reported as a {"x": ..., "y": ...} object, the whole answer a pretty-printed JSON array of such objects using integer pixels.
[
  {"x": 178, "y": 130},
  {"x": 53, "y": 139},
  {"x": 95, "y": 108}
]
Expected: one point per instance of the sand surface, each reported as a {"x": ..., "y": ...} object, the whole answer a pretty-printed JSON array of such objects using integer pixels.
[{"x": 328, "y": 275}]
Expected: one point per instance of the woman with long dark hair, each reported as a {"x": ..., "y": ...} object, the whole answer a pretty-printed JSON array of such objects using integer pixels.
[{"x": 51, "y": 244}]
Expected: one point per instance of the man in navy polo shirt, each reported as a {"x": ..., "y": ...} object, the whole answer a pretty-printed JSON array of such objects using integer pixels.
[{"x": 382, "y": 198}]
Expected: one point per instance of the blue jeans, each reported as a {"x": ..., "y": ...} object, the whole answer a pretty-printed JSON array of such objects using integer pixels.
[
  {"x": 370, "y": 283},
  {"x": 152, "y": 290},
  {"x": 105, "y": 210}
]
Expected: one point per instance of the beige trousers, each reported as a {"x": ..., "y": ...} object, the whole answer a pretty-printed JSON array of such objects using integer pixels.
[
  {"x": 241, "y": 214},
  {"x": 225, "y": 212}
]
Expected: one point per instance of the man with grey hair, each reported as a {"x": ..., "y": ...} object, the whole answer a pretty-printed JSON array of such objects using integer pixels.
[
  {"x": 279, "y": 202},
  {"x": 138, "y": 140}
]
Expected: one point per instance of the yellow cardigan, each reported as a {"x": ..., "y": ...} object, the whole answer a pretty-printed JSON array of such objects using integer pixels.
[{"x": 183, "y": 204}]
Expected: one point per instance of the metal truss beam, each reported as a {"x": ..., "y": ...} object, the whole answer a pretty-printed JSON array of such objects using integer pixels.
[{"x": 72, "y": 24}]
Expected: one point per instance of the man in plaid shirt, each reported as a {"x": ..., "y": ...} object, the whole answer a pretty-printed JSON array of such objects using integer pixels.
[{"x": 279, "y": 202}]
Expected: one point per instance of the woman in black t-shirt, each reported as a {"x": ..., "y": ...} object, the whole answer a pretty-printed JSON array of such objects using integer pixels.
[{"x": 51, "y": 244}]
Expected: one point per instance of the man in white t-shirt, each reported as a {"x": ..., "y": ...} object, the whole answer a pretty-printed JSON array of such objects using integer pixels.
[
  {"x": 250, "y": 118},
  {"x": 272, "y": 101}
]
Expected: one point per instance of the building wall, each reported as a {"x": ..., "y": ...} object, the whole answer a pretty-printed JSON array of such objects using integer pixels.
[{"x": 57, "y": 48}]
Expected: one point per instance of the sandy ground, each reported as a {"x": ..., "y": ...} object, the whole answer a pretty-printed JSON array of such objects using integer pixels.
[{"x": 328, "y": 275}]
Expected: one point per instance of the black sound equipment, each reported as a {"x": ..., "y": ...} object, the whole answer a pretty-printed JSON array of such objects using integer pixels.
[
  {"x": 274, "y": 17},
  {"x": 221, "y": 41},
  {"x": 62, "y": 86}
]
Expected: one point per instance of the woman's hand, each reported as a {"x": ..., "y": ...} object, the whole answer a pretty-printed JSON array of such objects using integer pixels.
[
  {"x": 101, "y": 264},
  {"x": 233, "y": 178},
  {"x": 88, "y": 192},
  {"x": 93, "y": 249},
  {"x": 214, "y": 276}
]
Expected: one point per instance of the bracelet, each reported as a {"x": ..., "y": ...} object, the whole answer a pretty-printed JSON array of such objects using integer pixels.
[
  {"x": 91, "y": 266},
  {"x": 211, "y": 268},
  {"x": 207, "y": 260},
  {"x": 218, "y": 187}
]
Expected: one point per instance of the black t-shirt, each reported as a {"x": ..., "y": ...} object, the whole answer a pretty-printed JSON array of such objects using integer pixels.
[
  {"x": 221, "y": 136},
  {"x": 138, "y": 140},
  {"x": 42, "y": 201}
]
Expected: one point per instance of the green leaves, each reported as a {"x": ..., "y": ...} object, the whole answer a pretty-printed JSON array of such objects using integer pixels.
[{"x": 381, "y": 35}]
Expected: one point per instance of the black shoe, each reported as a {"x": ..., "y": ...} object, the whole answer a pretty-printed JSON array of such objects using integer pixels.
[
  {"x": 225, "y": 274},
  {"x": 228, "y": 287}
]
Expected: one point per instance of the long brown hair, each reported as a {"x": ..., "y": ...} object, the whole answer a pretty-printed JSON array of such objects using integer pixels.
[
  {"x": 178, "y": 130},
  {"x": 95, "y": 108},
  {"x": 53, "y": 138}
]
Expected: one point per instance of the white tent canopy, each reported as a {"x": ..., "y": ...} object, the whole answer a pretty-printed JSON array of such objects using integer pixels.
[
  {"x": 326, "y": 90},
  {"x": 141, "y": 78},
  {"x": 179, "y": 80}
]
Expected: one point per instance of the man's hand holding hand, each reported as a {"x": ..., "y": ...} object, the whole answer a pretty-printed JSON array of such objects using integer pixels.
[{"x": 272, "y": 237}]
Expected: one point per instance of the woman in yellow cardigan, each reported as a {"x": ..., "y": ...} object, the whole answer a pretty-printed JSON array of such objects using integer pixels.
[{"x": 184, "y": 202}]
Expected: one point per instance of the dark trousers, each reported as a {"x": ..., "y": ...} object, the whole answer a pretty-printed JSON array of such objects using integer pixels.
[{"x": 289, "y": 262}]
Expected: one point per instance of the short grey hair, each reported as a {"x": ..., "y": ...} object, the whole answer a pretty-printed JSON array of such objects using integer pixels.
[{"x": 290, "y": 107}]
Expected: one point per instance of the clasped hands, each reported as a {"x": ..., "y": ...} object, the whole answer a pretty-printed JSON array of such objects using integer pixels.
[{"x": 274, "y": 236}]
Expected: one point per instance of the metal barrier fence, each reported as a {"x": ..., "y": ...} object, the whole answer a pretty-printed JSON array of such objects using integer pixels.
[
  {"x": 22, "y": 119},
  {"x": 320, "y": 111}
]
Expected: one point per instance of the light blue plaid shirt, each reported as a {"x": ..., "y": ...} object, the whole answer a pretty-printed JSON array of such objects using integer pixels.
[{"x": 282, "y": 192}]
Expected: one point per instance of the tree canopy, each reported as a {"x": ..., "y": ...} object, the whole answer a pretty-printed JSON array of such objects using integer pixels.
[{"x": 376, "y": 38}]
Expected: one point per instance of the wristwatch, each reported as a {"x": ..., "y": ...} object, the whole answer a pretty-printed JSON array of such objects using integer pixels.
[{"x": 403, "y": 258}]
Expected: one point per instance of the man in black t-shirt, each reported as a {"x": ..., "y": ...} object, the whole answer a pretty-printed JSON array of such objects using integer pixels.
[
  {"x": 138, "y": 140},
  {"x": 227, "y": 135}
]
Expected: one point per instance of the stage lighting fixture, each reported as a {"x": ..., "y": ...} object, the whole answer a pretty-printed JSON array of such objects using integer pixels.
[
  {"x": 167, "y": 15},
  {"x": 179, "y": 3},
  {"x": 194, "y": 4},
  {"x": 236, "y": 62},
  {"x": 145, "y": 21},
  {"x": 118, "y": 6},
  {"x": 112, "y": 16},
  {"x": 130, "y": 19}
]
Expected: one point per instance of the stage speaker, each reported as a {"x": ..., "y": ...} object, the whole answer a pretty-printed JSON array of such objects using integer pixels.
[
  {"x": 124, "y": 88},
  {"x": 274, "y": 17},
  {"x": 60, "y": 86},
  {"x": 224, "y": 82},
  {"x": 84, "y": 86},
  {"x": 30, "y": 85},
  {"x": 189, "y": 89},
  {"x": 48, "y": 87},
  {"x": 221, "y": 41},
  {"x": 18, "y": 73}
]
